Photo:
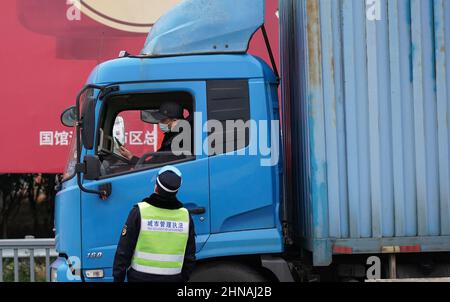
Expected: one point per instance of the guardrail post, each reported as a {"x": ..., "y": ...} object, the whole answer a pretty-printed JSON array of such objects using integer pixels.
[
  {"x": 47, "y": 264},
  {"x": 1, "y": 265},
  {"x": 31, "y": 265},
  {"x": 16, "y": 265}
]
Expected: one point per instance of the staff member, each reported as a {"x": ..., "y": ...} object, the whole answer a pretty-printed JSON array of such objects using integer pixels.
[
  {"x": 168, "y": 115},
  {"x": 157, "y": 243}
]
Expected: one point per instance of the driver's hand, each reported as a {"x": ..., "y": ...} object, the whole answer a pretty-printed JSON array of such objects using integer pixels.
[{"x": 125, "y": 152}]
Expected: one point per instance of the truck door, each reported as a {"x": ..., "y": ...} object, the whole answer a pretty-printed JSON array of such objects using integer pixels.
[{"x": 121, "y": 121}]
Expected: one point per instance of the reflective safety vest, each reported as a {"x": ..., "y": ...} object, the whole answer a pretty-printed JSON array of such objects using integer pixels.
[{"x": 162, "y": 240}]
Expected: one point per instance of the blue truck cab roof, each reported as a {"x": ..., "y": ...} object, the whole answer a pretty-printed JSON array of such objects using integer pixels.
[
  {"x": 177, "y": 68},
  {"x": 195, "y": 40}
]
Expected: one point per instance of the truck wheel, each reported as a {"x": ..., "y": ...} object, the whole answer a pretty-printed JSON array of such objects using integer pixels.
[{"x": 226, "y": 272}]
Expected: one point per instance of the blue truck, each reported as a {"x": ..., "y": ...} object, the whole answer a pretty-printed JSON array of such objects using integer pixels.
[{"x": 353, "y": 181}]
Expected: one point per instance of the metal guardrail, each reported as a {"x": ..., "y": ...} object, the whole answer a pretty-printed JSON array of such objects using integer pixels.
[{"x": 27, "y": 248}]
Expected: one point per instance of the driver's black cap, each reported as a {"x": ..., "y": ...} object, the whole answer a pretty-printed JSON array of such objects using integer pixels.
[{"x": 168, "y": 110}]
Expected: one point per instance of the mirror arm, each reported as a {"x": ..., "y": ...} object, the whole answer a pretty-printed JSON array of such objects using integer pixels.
[
  {"x": 90, "y": 86},
  {"x": 81, "y": 168},
  {"x": 101, "y": 193}
]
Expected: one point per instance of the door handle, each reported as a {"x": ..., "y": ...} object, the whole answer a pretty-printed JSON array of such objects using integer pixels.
[{"x": 197, "y": 211}]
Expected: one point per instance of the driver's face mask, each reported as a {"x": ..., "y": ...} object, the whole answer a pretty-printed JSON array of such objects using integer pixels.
[{"x": 164, "y": 127}]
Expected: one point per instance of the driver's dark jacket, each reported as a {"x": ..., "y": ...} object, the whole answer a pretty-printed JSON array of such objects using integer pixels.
[
  {"x": 128, "y": 240},
  {"x": 166, "y": 146}
]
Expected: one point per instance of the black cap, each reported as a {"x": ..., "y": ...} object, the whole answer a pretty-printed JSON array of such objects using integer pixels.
[
  {"x": 168, "y": 181},
  {"x": 168, "y": 110}
]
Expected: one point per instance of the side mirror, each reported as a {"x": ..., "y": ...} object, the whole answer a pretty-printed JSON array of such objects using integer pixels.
[
  {"x": 69, "y": 116},
  {"x": 147, "y": 117},
  {"x": 88, "y": 126},
  {"x": 92, "y": 167}
]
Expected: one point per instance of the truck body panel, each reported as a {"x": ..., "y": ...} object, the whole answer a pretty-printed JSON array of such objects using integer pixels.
[{"x": 365, "y": 93}]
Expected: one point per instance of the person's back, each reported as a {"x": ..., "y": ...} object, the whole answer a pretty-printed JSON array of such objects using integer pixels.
[{"x": 158, "y": 240}]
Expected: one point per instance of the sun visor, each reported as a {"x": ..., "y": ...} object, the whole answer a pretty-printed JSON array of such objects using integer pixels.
[{"x": 205, "y": 27}]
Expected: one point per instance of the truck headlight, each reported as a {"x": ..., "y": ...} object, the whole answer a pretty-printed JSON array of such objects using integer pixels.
[
  {"x": 53, "y": 274},
  {"x": 94, "y": 273}
]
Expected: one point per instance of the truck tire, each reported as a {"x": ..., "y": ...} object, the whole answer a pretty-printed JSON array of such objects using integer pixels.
[{"x": 222, "y": 271}]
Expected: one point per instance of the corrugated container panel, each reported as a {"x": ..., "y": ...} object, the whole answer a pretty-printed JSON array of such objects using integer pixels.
[{"x": 367, "y": 102}]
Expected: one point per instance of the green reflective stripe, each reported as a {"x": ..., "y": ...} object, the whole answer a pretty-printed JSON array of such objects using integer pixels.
[
  {"x": 158, "y": 257},
  {"x": 156, "y": 270},
  {"x": 155, "y": 263},
  {"x": 161, "y": 243}
]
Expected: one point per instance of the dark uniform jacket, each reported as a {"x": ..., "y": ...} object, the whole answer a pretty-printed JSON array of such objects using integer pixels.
[{"x": 128, "y": 240}]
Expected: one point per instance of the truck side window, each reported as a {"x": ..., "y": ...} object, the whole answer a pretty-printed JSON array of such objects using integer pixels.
[
  {"x": 130, "y": 140},
  {"x": 229, "y": 109}
]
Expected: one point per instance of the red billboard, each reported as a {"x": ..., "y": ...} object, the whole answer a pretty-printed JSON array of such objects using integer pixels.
[{"x": 49, "y": 48}]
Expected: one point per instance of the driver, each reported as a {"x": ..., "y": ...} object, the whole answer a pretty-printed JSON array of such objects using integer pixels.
[{"x": 168, "y": 115}]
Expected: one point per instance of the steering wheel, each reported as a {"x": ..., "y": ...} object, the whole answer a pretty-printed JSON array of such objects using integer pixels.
[
  {"x": 105, "y": 153},
  {"x": 111, "y": 162},
  {"x": 142, "y": 159}
]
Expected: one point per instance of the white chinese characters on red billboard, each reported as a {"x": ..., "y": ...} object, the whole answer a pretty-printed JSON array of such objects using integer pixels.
[
  {"x": 49, "y": 48},
  {"x": 55, "y": 138}
]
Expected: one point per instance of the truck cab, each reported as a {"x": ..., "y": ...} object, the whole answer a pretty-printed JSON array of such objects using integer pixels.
[{"x": 228, "y": 155}]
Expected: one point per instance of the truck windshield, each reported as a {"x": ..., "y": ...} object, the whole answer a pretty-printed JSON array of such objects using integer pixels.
[{"x": 69, "y": 170}]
